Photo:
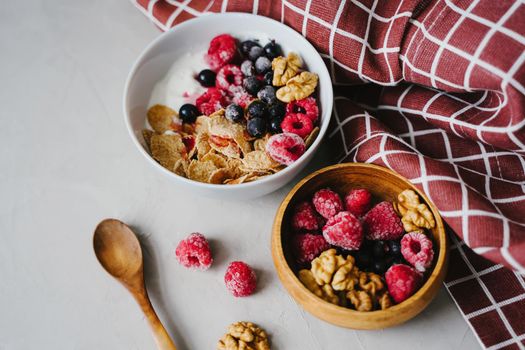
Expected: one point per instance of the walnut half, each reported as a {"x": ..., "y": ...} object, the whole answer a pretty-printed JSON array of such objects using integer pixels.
[
  {"x": 414, "y": 214},
  {"x": 299, "y": 87},
  {"x": 244, "y": 336},
  {"x": 285, "y": 68}
]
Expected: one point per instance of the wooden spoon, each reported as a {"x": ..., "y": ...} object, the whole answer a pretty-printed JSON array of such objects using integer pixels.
[{"x": 118, "y": 251}]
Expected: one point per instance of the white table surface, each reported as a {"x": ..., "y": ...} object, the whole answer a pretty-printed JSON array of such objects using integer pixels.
[{"x": 67, "y": 162}]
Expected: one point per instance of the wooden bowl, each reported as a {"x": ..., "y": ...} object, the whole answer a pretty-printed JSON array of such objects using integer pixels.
[{"x": 383, "y": 184}]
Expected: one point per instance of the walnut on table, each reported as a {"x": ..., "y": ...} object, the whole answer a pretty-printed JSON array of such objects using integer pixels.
[
  {"x": 414, "y": 214},
  {"x": 244, "y": 336}
]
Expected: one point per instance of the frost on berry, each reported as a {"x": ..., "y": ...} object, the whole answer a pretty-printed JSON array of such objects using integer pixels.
[
  {"x": 417, "y": 249},
  {"x": 194, "y": 252}
]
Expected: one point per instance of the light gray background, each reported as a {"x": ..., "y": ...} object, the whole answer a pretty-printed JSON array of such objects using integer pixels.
[{"x": 67, "y": 162}]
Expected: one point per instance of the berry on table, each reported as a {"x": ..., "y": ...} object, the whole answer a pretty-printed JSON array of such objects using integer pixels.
[
  {"x": 257, "y": 109},
  {"x": 222, "y": 50},
  {"x": 306, "y": 106},
  {"x": 234, "y": 113},
  {"x": 272, "y": 50},
  {"x": 194, "y": 252},
  {"x": 382, "y": 223},
  {"x": 188, "y": 113},
  {"x": 285, "y": 148},
  {"x": 402, "y": 281},
  {"x": 358, "y": 201},
  {"x": 210, "y": 101},
  {"x": 298, "y": 124},
  {"x": 267, "y": 94},
  {"x": 306, "y": 247},
  {"x": 276, "y": 109},
  {"x": 247, "y": 68},
  {"x": 263, "y": 65},
  {"x": 247, "y": 45},
  {"x": 240, "y": 279},
  {"x": 417, "y": 249},
  {"x": 252, "y": 85},
  {"x": 255, "y": 52},
  {"x": 206, "y": 78},
  {"x": 229, "y": 75},
  {"x": 256, "y": 127},
  {"x": 304, "y": 217},
  {"x": 327, "y": 203},
  {"x": 274, "y": 126},
  {"x": 344, "y": 230}
]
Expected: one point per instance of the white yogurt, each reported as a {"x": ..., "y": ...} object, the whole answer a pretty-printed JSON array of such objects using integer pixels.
[{"x": 179, "y": 86}]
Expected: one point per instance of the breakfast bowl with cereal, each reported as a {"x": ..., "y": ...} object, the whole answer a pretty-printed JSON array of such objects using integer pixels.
[
  {"x": 359, "y": 246},
  {"x": 226, "y": 110}
]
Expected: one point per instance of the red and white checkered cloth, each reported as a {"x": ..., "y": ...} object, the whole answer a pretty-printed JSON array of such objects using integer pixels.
[{"x": 446, "y": 109}]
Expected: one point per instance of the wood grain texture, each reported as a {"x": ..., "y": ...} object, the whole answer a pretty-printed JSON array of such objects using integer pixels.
[
  {"x": 118, "y": 251},
  {"x": 385, "y": 185}
]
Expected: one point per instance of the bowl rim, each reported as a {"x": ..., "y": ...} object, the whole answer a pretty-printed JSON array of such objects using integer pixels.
[
  {"x": 287, "y": 275},
  {"x": 325, "y": 117}
]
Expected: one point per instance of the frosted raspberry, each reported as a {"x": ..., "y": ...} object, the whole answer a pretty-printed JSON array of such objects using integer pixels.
[
  {"x": 306, "y": 106},
  {"x": 298, "y": 124},
  {"x": 229, "y": 75},
  {"x": 306, "y": 247},
  {"x": 222, "y": 51},
  {"x": 382, "y": 223},
  {"x": 358, "y": 201},
  {"x": 416, "y": 248},
  {"x": 239, "y": 96},
  {"x": 211, "y": 101},
  {"x": 327, "y": 203},
  {"x": 402, "y": 281},
  {"x": 344, "y": 230},
  {"x": 194, "y": 252},
  {"x": 285, "y": 148},
  {"x": 240, "y": 279},
  {"x": 305, "y": 217}
]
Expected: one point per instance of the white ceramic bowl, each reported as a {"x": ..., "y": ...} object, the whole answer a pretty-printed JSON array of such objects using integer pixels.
[{"x": 156, "y": 59}]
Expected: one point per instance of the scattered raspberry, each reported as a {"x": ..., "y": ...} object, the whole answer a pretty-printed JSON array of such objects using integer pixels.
[
  {"x": 382, "y": 223},
  {"x": 306, "y": 106},
  {"x": 305, "y": 217},
  {"x": 194, "y": 252},
  {"x": 285, "y": 148},
  {"x": 240, "y": 279},
  {"x": 402, "y": 281},
  {"x": 239, "y": 96},
  {"x": 416, "y": 248},
  {"x": 344, "y": 230},
  {"x": 358, "y": 201},
  {"x": 222, "y": 51},
  {"x": 229, "y": 75},
  {"x": 306, "y": 247},
  {"x": 210, "y": 101},
  {"x": 297, "y": 123},
  {"x": 327, "y": 203}
]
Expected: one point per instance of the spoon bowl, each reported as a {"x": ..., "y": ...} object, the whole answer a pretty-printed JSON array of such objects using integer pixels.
[{"x": 118, "y": 251}]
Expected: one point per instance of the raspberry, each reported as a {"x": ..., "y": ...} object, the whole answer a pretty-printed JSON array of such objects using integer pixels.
[
  {"x": 382, "y": 223},
  {"x": 402, "y": 281},
  {"x": 306, "y": 106},
  {"x": 239, "y": 96},
  {"x": 305, "y": 217},
  {"x": 306, "y": 247},
  {"x": 416, "y": 248},
  {"x": 229, "y": 75},
  {"x": 210, "y": 101},
  {"x": 297, "y": 123},
  {"x": 344, "y": 230},
  {"x": 285, "y": 148},
  {"x": 222, "y": 51},
  {"x": 358, "y": 201},
  {"x": 327, "y": 203},
  {"x": 194, "y": 252},
  {"x": 240, "y": 279}
]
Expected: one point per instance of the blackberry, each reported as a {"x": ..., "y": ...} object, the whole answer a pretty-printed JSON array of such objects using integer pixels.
[
  {"x": 234, "y": 113},
  {"x": 188, "y": 113},
  {"x": 256, "y": 127},
  {"x": 267, "y": 94},
  {"x": 252, "y": 85},
  {"x": 257, "y": 109}
]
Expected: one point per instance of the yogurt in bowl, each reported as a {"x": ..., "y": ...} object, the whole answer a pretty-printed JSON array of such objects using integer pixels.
[{"x": 154, "y": 77}]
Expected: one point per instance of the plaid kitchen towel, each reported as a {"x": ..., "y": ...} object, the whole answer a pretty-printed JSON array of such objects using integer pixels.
[{"x": 441, "y": 100}]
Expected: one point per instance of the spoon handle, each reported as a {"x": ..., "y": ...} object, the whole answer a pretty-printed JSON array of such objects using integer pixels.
[{"x": 161, "y": 336}]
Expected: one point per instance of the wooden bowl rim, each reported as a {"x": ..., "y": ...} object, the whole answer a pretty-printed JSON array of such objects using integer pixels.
[{"x": 288, "y": 274}]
